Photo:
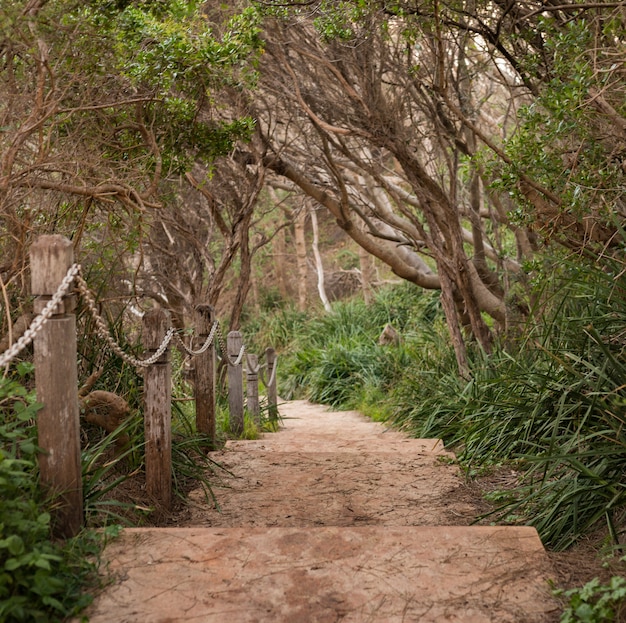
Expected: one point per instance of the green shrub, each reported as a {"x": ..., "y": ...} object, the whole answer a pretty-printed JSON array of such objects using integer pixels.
[
  {"x": 40, "y": 580},
  {"x": 594, "y": 602}
]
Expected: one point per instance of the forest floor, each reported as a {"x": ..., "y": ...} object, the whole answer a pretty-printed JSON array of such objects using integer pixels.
[{"x": 337, "y": 518}]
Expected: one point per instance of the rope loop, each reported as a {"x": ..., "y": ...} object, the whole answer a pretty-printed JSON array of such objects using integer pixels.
[
  {"x": 102, "y": 331},
  {"x": 207, "y": 343},
  {"x": 252, "y": 369},
  {"x": 239, "y": 358}
]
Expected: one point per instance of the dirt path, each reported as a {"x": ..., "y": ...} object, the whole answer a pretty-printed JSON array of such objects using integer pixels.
[
  {"x": 329, "y": 468},
  {"x": 333, "y": 518}
]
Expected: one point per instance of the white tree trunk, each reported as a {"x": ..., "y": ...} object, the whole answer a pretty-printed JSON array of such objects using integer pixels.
[{"x": 319, "y": 266}]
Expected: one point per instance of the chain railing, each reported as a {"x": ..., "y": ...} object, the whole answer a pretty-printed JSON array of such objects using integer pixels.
[{"x": 172, "y": 336}]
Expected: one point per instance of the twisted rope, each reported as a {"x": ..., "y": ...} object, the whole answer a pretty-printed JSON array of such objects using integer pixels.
[
  {"x": 252, "y": 369},
  {"x": 207, "y": 343},
  {"x": 46, "y": 313},
  {"x": 224, "y": 351},
  {"x": 239, "y": 359},
  {"x": 272, "y": 376},
  {"x": 103, "y": 331}
]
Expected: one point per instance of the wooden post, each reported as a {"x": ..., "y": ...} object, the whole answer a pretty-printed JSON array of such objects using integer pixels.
[
  {"x": 272, "y": 395},
  {"x": 58, "y": 425},
  {"x": 158, "y": 410},
  {"x": 252, "y": 388},
  {"x": 204, "y": 389},
  {"x": 235, "y": 383}
]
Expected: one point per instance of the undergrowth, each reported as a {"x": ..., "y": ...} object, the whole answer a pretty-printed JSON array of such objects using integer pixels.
[
  {"x": 550, "y": 399},
  {"x": 44, "y": 579},
  {"x": 41, "y": 579}
]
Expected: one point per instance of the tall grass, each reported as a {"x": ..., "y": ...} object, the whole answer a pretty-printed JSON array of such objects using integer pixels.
[
  {"x": 554, "y": 404},
  {"x": 553, "y": 401},
  {"x": 335, "y": 358}
]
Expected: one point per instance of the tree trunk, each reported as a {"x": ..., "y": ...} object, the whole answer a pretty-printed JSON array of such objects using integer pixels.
[
  {"x": 366, "y": 263},
  {"x": 319, "y": 266},
  {"x": 245, "y": 270},
  {"x": 299, "y": 224},
  {"x": 279, "y": 251}
]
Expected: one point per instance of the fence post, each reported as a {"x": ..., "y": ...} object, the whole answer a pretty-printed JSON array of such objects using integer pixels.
[
  {"x": 252, "y": 388},
  {"x": 234, "y": 342},
  {"x": 158, "y": 410},
  {"x": 58, "y": 425},
  {"x": 272, "y": 395},
  {"x": 204, "y": 388}
]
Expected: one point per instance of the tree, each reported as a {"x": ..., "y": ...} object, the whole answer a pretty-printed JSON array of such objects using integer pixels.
[
  {"x": 104, "y": 107},
  {"x": 405, "y": 121}
]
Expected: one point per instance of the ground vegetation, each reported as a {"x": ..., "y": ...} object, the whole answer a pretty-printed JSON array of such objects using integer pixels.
[{"x": 476, "y": 151}]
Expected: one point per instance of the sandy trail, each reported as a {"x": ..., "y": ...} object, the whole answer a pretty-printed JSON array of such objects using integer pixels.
[
  {"x": 329, "y": 468},
  {"x": 333, "y": 518}
]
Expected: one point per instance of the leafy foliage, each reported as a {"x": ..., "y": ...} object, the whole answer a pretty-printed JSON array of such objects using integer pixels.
[
  {"x": 39, "y": 580},
  {"x": 594, "y": 602},
  {"x": 561, "y": 140},
  {"x": 332, "y": 358},
  {"x": 553, "y": 403}
]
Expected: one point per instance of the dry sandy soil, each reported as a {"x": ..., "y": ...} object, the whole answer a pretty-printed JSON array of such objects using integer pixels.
[
  {"x": 328, "y": 468},
  {"x": 334, "y": 518}
]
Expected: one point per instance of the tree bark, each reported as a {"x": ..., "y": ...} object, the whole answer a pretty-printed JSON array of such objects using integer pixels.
[
  {"x": 366, "y": 264},
  {"x": 319, "y": 266},
  {"x": 300, "y": 240}
]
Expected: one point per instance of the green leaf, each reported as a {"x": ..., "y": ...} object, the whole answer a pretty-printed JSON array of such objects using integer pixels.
[
  {"x": 14, "y": 544},
  {"x": 12, "y": 564}
]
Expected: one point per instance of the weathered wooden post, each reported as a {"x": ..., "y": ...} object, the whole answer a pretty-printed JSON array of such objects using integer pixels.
[
  {"x": 204, "y": 389},
  {"x": 272, "y": 394},
  {"x": 158, "y": 410},
  {"x": 252, "y": 388},
  {"x": 234, "y": 342},
  {"x": 58, "y": 425}
]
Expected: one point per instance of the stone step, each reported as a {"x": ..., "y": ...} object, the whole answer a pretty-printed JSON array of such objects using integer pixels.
[
  {"x": 293, "y": 442},
  {"x": 322, "y": 575}
]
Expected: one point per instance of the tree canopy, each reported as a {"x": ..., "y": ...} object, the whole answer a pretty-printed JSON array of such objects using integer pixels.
[
  {"x": 435, "y": 133},
  {"x": 105, "y": 107}
]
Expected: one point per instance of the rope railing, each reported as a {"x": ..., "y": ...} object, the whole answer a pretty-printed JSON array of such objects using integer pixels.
[
  {"x": 272, "y": 379},
  {"x": 53, "y": 333},
  {"x": 203, "y": 349},
  {"x": 252, "y": 368},
  {"x": 102, "y": 330},
  {"x": 104, "y": 333},
  {"x": 39, "y": 321},
  {"x": 171, "y": 337}
]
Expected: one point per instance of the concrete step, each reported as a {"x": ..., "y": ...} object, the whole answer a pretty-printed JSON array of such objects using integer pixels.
[{"x": 323, "y": 575}]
